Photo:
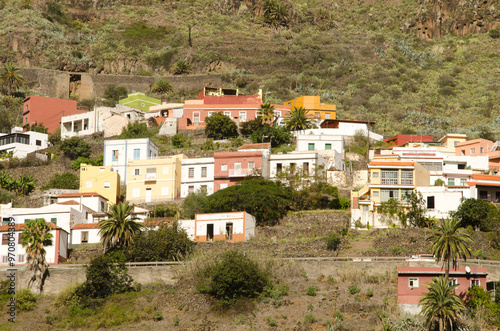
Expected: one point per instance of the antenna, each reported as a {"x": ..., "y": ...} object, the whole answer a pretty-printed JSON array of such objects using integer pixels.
[{"x": 467, "y": 269}]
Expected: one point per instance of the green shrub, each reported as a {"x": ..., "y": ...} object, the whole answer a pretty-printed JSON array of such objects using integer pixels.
[
  {"x": 55, "y": 137},
  {"x": 179, "y": 140},
  {"x": 333, "y": 241},
  {"x": 25, "y": 300},
  {"x": 309, "y": 318},
  {"x": 157, "y": 316},
  {"x": 340, "y": 203},
  {"x": 136, "y": 130},
  {"x": 97, "y": 162},
  {"x": 177, "y": 321},
  {"x": 220, "y": 126},
  {"x": 113, "y": 94},
  {"x": 337, "y": 314},
  {"x": 66, "y": 180},
  {"x": 6, "y": 196},
  {"x": 494, "y": 33},
  {"x": 369, "y": 293},
  {"x": 234, "y": 277},
  {"x": 311, "y": 290},
  {"x": 164, "y": 210},
  {"x": 271, "y": 322},
  {"x": 353, "y": 289},
  {"x": 75, "y": 147}
]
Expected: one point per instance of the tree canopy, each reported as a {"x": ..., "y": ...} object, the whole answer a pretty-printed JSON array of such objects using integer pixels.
[
  {"x": 119, "y": 228},
  {"x": 220, "y": 126},
  {"x": 477, "y": 213}
]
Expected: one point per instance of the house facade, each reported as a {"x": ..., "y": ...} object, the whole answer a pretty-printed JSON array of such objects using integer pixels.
[
  {"x": 230, "y": 227},
  {"x": 305, "y": 164},
  {"x": 48, "y": 111},
  {"x": 100, "y": 180},
  {"x": 387, "y": 180},
  {"x": 331, "y": 147},
  {"x": 232, "y": 167},
  {"x": 401, "y": 139},
  {"x": 154, "y": 180},
  {"x": 314, "y": 106},
  {"x": 93, "y": 200},
  {"x": 54, "y": 254},
  {"x": 22, "y": 143},
  {"x": 412, "y": 283},
  {"x": 118, "y": 152},
  {"x": 347, "y": 128},
  {"x": 485, "y": 187},
  {"x": 197, "y": 174}
]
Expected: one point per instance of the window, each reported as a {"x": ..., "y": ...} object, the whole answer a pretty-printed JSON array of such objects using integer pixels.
[
  {"x": 5, "y": 220},
  {"x": 251, "y": 165},
  {"x": 227, "y": 113},
  {"x": 430, "y": 202},
  {"x": 223, "y": 186},
  {"x": 453, "y": 281},
  {"x": 317, "y": 115},
  {"x": 54, "y": 220},
  {"x": 164, "y": 190},
  {"x": 204, "y": 188},
  {"x": 476, "y": 282},
  {"x": 455, "y": 143},
  {"x": 84, "y": 169},
  {"x": 39, "y": 143},
  {"x": 365, "y": 208},
  {"x": 20, "y": 258},
  {"x": 243, "y": 116},
  {"x": 223, "y": 167},
  {"x": 165, "y": 170},
  {"x": 150, "y": 173},
  {"x": 432, "y": 166},
  {"x": 103, "y": 207},
  {"x": 483, "y": 195},
  {"x": 277, "y": 114},
  {"x": 481, "y": 150},
  {"x": 88, "y": 183},
  {"x": 107, "y": 184},
  {"x": 376, "y": 194},
  {"x": 292, "y": 168},
  {"x": 385, "y": 195},
  {"x": 305, "y": 168},
  {"x": 376, "y": 174},
  {"x": 451, "y": 181},
  {"x": 463, "y": 182},
  {"x": 114, "y": 156},
  {"x": 136, "y": 193},
  {"x": 461, "y": 166},
  {"x": 210, "y": 113},
  {"x": 406, "y": 195},
  {"x": 328, "y": 146},
  {"x": 279, "y": 168},
  {"x": 191, "y": 189},
  {"x": 412, "y": 282},
  {"x": 137, "y": 154},
  {"x": 327, "y": 116},
  {"x": 85, "y": 237},
  {"x": 390, "y": 176},
  {"x": 191, "y": 173},
  {"x": 310, "y": 147},
  {"x": 472, "y": 151},
  {"x": 204, "y": 172},
  {"x": 407, "y": 177},
  {"x": 462, "y": 152},
  {"x": 5, "y": 239},
  {"x": 137, "y": 172}
]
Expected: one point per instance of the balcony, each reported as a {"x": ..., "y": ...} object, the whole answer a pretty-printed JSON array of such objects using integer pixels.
[
  {"x": 240, "y": 172},
  {"x": 150, "y": 178}
]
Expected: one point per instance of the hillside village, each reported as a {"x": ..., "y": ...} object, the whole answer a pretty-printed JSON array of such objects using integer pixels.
[{"x": 248, "y": 165}]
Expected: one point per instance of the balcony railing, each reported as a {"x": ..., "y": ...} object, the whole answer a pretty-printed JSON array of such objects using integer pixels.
[
  {"x": 239, "y": 172},
  {"x": 150, "y": 177}
]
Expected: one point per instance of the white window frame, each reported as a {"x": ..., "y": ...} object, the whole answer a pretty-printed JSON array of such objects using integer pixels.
[
  {"x": 88, "y": 183},
  {"x": 107, "y": 184},
  {"x": 475, "y": 281},
  {"x": 223, "y": 167},
  {"x": 136, "y": 193},
  {"x": 165, "y": 170},
  {"x": 413, "y": 282},
  {"x": 137, "y": 172},
  {"x": 227, "y": 113},
  {"x": 164, "y": 190},
  {"x": 243, "y": 116}
]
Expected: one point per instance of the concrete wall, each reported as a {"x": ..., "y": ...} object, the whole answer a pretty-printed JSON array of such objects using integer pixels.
[{"x": 56, "y": 84}]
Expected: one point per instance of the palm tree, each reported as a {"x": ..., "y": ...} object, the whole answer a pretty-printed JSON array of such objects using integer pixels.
[
  {"x": 34, "y": 238},
  {"x": 450, "y": 243},
  {"x": 298, "y": 121},
  {"x": 119, "y": 229},
  {"x": 161, "y": 86},
  {"x": 181, "y": 67},
  {"x": 25, "y": 184},
  {"x": 10, "y": 77},
  {"x": 441, "y": 304},
  {"x": 266, "y": 112}
]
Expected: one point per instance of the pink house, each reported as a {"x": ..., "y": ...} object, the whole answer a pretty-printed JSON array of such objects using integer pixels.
[
  {"x": 232, "y": 167},
  {"x": 401, "y": 139},
  {"x": 481, "y": 147},
  {"x": 412, "y": 281},
  {"x": 240, "y": 108},
  {"x": 48, "y": 111}
]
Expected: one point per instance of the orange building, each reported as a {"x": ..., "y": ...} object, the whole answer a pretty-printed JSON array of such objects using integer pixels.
[{"x": 48, "y": 111}]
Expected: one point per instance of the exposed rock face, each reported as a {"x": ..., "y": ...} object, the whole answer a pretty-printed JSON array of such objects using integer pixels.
[{"x": 436, "y": 18}]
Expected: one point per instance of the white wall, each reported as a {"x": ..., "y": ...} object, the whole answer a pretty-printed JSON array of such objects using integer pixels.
[
  {"x": 250, "y": 223},
  {"x": 299, "y": 158},
  {"x": 22, "y": 150},
  {"x": 76, "y": 236},
  {"x": 197, "y": 181},
  {"x": 445, "y": 201},
  {"x": 68, "y": 125}
]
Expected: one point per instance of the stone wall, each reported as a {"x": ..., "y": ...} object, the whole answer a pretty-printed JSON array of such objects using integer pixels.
[{"x": 56, "y": 84}]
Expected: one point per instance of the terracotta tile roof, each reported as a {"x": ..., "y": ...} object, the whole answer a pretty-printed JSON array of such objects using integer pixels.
[
  {"x": 486, "y": 177},
  {"x": 20, "y": 227},
  {"x": 77, "y": 195},
  {"x": 255, "y": 146},
  {"x": 482, "y": 184},
  {"x": 86, "y": 226},
  {"x": 159, "y": 120},
  {"x": 69, "y": 202},
  {"x": 392, "y": 163}
]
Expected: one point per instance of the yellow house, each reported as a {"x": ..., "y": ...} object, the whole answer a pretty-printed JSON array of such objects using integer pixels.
[
  {"x": 314, "y": 106},
  {"x": 100, "y": 179},
  {"x": 154, "y": 180},
  {"x": 449, "y": 141},
  {"x": 389, "y": 180}
]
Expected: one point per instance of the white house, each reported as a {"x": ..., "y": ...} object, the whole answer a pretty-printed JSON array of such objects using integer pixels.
[
  {"x": 231, "y": 227},
  {"x": 56, "y": 253},
  {"x": 174, "y": 110},
  {"x": 440, "y": 201},
  {"x": 331, "y": 147},
  {"x": 197, "y": 174},
  {"x": 118, "y": 152},
  {"x": 305, "y": 162},
  {"x": 22, "y": 143},
  {"x": 96, "y": 202},
  {"x": 347, "y": 128}
]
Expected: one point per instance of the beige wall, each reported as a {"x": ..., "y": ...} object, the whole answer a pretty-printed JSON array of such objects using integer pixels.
[{"x": 94, "y": 178}]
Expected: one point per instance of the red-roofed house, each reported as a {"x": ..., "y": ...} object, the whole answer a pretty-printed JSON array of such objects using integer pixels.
[
  {"x": 93, "y": 200},
  {"x": 401, "y": 139},
  {"x": 485, "y": 187},
  {"x": 57, "y": 253},
  {"x": 412, "y": 283},
  {"x": 388, "y": 180},
  {"x": 232, "y": 167},
  {"x": 48, "y": 111}
]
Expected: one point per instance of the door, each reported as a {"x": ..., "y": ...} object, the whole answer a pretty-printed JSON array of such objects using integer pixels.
[
  {"x": 148, "y": 195},
  {"x": 210, "y": 232},
  {"x": 237, "y": 168},
  {"x": 229, "y": 231},
  {"x": 196, "y": 119}
]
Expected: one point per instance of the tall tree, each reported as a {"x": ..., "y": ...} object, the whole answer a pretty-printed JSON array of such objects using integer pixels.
[
  {"x": 35, "y": 237},
  {"x": 10, "y": 77},
  {"x": 220, "y": 126},
  {"x": 161, "y": 86},
  {"x": 450, "y": 243},
  {"x": 441, "y": 305},
  {"x": 266, "y": 113},
  {"x": 120, "y": 227},
  {"x": 298, "y": 120}
]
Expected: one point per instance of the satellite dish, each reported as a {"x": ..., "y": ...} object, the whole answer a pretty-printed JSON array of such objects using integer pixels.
[{"x": 467, "y": 270}]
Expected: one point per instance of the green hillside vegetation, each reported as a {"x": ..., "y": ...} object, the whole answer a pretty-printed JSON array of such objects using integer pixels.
[{"x": 355, "y": 54}]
